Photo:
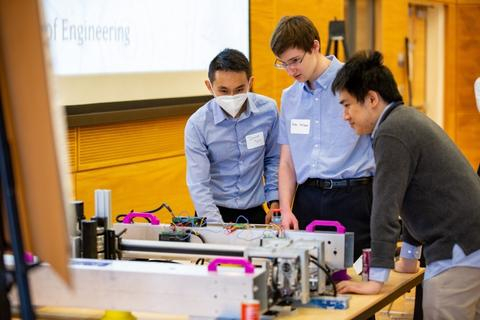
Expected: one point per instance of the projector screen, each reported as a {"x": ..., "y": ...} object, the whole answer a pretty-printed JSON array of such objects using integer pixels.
[{"x": 120, "y": 50}]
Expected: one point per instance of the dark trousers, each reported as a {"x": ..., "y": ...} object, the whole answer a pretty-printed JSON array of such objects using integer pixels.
[
  {"x": 351, "y": 206},
  {"x": 254, "y": 215}
]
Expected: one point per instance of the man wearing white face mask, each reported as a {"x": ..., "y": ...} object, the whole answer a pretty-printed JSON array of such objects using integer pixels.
[{"x": 230, "y": 146}]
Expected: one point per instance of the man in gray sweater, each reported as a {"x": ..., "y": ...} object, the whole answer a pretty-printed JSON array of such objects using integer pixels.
[{"x": 423, "y": 177}]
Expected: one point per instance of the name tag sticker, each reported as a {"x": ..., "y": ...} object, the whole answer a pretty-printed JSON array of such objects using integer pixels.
[
  {"x": 300, "y": 126},
  {"x": 255, "y": 140}
]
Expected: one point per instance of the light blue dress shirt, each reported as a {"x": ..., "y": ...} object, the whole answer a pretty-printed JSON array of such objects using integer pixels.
[
  {"x": 408, "y": 251},
  {"x": 322, "y": 144},
  {"x": 232, "y": 162}
]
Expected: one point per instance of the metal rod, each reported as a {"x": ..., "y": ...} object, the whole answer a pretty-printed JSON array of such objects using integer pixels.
[{"x": 182, "y": 248}]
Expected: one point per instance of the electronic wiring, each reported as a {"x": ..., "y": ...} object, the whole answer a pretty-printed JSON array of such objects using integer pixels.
[
  {"x": 119, "y": 218},
  {"x": 314, "y": 260}
]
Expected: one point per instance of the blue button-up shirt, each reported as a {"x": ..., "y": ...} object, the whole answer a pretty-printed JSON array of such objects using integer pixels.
[
  {"x": 227, "y": 158},
  {"x": 322, "y": 144}
]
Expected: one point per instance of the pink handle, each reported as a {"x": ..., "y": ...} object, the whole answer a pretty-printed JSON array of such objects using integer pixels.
[
  {"x": 28, "y": 257},
  {"x": 249, "y": 268},
  {"x": 129, "y": 217},
  {"x": 325, "y": 223}
]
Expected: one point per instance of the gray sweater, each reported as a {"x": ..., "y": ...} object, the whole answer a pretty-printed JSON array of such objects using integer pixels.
[{"x": 423, "y": 176}]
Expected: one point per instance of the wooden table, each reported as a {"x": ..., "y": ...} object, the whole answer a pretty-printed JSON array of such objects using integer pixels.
[
  {"x": 361, "y": 306},
  {"x": 364, "y": 306}
]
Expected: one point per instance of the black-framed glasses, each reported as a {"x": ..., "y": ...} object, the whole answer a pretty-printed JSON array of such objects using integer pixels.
[{"x": 292, "y": 62}]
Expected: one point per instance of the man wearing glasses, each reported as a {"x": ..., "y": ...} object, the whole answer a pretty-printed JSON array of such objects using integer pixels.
[
  {"x": 231, "y": 146},
  {"x": 319, "y": 152}
]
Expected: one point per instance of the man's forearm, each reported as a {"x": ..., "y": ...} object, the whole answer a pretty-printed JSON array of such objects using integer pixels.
[
  {"x": 286, "y": 186},
  {"x": 202, "y": 198},
  {"x": 211, "y": 212}
]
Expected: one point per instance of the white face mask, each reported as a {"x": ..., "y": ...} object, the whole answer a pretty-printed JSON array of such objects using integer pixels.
[{"x": 231, "y": 104}]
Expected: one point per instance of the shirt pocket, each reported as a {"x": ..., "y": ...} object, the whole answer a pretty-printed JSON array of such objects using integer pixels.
[
  {"x": 222, "y": 151},
  {"x": 222, "y": 147}
]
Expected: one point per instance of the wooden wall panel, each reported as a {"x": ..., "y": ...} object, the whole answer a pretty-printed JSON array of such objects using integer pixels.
[
  {"x": 417, "y": 35},
  {"x": 139, "y": 186},
  {"x": 468, "y": 50},
  {"x": 450, "y": 69},
  {"x": 467, "y": 120},
  {"x": 141, "y": 162},
  {"x": 468, "y": 136},
  {"x": 392, "y": 20},
  {"x": 72, "y": 149},
  {"x": 117, "y": 144},
  {"x": 363, "y": 38},
  {"x": 262, "y": 23}
]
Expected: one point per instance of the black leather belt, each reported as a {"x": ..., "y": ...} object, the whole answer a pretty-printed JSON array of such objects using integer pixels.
[{"x": 337, "y": 183}]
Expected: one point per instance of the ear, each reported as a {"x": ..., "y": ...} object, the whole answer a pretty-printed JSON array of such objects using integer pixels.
[
  {"x": 316, "y": 46},
  {"x": 250, "y": 83},
  {"x": 373, "y": 99},
  {"x": 209, "y": 86}
]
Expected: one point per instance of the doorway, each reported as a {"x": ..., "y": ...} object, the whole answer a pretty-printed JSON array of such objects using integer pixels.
[{"x": 425, "y": 48}]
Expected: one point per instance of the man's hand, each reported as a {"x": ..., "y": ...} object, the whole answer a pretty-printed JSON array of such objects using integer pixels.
[
  {"x": 289, "y": 220},
  {"x": 268, "y": 216},
  {"x": 368, "y": 287},
  {"x": 407, "y": 265}
]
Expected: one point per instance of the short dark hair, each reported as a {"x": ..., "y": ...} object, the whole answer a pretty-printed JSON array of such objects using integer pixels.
[
  {"x": 229, "y": 60},
  {"x": 293, "y": 32},
  {"x": 363, "y": 72}
]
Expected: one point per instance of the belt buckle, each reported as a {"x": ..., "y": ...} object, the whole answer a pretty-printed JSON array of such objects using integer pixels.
[{"x": 331, "y": 184}]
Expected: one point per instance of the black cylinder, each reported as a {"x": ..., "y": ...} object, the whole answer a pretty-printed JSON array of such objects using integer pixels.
[
  {"x": 101, "y": 221},
  {"x": 109, "y": 244},
  {"x": 89, "y": 239},
  {"x": 79, "y": 213}
]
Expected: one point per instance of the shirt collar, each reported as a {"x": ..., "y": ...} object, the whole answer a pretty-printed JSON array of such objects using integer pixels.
[
  {"x": 326, "y": 78},
  {"x": 219, "y": 115},
  {"x": 372, "y": 135}
]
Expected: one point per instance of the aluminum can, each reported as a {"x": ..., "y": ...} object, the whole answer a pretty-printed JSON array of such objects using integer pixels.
[
  {"x": 366, "y": 256},
  {"x": 250, "y": 310}
]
